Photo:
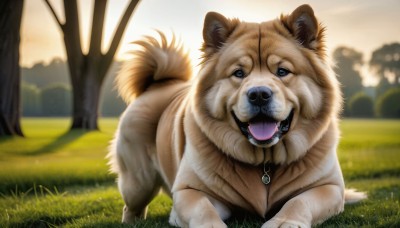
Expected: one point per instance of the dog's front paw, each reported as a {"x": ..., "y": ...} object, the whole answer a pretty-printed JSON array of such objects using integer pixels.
[
  {"x": 211, "y": 225},
  {"x": 284, "y": 223},
  {"x": 174, "y": 219}
]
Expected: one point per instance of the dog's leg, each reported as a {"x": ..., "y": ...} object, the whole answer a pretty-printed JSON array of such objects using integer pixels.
[
  {"x": 193, "y": 208},
  {"x": 310, "y": 207},
  {"x": 137, "y": 195},
  {"x": 138, "y": 180}
]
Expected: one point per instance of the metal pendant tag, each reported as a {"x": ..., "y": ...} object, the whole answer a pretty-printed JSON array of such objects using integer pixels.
[{"x": 265, "y": 179}]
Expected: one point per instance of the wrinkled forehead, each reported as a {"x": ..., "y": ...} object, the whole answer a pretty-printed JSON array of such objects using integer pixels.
[
  {"x": 258, "y": 42},
  {"x": 244, "y": 41}
]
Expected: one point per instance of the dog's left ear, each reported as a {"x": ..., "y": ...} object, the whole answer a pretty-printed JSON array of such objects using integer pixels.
[
  {"x": 304, "y": 26},
  {"x": 216, "y": 31}
]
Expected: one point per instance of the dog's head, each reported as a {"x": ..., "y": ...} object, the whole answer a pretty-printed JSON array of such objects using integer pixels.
[{"x": 265, "y": 91}]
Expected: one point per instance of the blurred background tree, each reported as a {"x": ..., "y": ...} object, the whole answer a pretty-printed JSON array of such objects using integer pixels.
[
  {"x": 56, "y": 100},
  {"x": 361, "y": 105},
  {"x": 42, "y": 75},
  {"x": 386, "y": 62},
  {"x": 383, "y": 86},
  {"x": 348, "y": 61},
  {"x": 31, "y": 100},
  {"x": 388, "y": 105}
]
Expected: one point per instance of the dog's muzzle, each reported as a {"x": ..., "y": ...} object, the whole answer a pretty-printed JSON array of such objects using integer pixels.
[{"x": 263, "y": 130}]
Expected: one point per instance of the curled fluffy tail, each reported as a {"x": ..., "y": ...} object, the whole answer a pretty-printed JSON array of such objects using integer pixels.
[
  {"x": 352, "y": 196},
  {"x": 154, "y": 61}
]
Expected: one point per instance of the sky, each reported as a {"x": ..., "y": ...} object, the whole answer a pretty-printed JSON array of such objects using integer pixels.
[{"x": 364, "y": 25}]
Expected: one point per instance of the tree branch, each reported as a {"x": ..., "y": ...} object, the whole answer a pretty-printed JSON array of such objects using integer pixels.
[
  {"x": 72, "y": 39},
  {"x": 108, "y": 57},
  {"x": 99, "y": 12},
  {"x": 54, "y": 14}
]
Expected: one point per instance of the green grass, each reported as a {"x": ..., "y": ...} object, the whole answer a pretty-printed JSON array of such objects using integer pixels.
[
  {"x": 53, "y": 177},
  {"x": 370, "y": 149},
  {"x": 52, "y": 156}
]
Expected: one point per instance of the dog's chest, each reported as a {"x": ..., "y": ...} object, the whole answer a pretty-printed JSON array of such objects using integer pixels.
[{"x": 241, "y": 185}]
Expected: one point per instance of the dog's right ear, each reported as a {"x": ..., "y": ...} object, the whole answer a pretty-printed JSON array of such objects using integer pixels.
[{"x": 216, "y": 31}]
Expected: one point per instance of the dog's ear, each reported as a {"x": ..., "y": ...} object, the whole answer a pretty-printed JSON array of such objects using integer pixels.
[
  {"x": 304, "y": 26},
  {"x": 216, "y": 31}
]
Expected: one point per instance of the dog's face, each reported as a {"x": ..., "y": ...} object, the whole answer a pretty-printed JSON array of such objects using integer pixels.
[{"x": 269, "y": 83}]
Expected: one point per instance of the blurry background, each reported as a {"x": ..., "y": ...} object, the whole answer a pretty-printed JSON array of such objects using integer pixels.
[{"x": 355, "y": 30}]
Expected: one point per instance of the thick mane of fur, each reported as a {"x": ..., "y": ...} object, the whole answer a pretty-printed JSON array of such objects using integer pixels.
[{"x": 154, "y": 61}]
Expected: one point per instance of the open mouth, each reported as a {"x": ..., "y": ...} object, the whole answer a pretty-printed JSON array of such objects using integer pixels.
[{"x": 262, "y": 129}]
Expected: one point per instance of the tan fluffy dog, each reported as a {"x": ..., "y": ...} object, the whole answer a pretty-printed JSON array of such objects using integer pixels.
[{"x": 255, "y": 130}]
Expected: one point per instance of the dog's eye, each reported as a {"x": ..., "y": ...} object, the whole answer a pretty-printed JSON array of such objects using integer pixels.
[
  {"x": 282, "y": 72},
  {"x": 239, "y": 73}
]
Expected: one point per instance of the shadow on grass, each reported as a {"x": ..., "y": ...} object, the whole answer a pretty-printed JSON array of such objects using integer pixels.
[
  {"x": 7, "y": 138},
  {"x": 44, "y": 221},
  {"x": 154, "y": 222},
  {"x": 63, "y": 140}
]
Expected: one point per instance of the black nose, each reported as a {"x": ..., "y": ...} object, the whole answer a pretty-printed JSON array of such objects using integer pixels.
[{"x": 259, "y": 95}]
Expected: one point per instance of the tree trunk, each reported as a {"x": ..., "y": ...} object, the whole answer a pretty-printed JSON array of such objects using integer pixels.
[
  {"x": 10, "y": 23},
  {"x": 86, "y": 96},
  {"x": 87, "y": 84}
]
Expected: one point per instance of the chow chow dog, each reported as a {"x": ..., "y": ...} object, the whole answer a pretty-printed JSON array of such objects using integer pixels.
[{"x": 255, "y": 130}]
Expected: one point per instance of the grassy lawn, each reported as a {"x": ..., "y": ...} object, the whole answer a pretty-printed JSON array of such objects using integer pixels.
[{"x": 57, "y": 178}]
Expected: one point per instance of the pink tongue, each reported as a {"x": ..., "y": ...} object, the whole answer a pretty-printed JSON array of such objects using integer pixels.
[{"x": 262, "y": 130}]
